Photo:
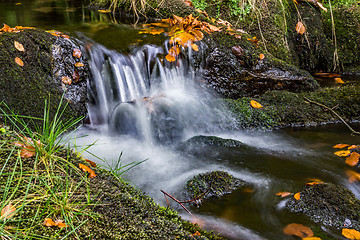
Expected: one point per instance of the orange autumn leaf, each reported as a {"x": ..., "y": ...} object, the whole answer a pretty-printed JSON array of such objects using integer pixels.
[
  {"x": 27, "y": 151},
  {"x": 65, "y": 36},
  {"x": 261, "y": 56},
  {"x": 339, "y": 80},
  {"x": 314, "y": 180},
  {"x": 76, "y": 53},
  {"x": 342, "y": 153},
  {"x": 6, "y": 28},
  {"x": 195, "y": 47},
  {"x": 300, "y": 28},
  {"x": 311, "y": 238},
  {"x": 49, "y": 222},
  {"x": 19, "y": 61},
  {"x": 283, "y": 194},
  {"x": 353, "y": 159},
  {"x": 104, "y": 11},
  {"x": 91, "y": 162},
  {"x": 340, "y": 145},
  {"x": 352, "y": 147},
  {"x": 297, "y": 196},
  {"x": 312, "y": 183},
  {"x": 350, "y": 233},
  {"x": 60, "y": 224},
  {"x": 7, "y": 212},
  {"x": 353, "y": 176},
  {"x": 254, "y": 40},
  {"x": 66, "y": 80},
  {"x": 19, "y": 46},
  {"x": 87, "y": 169},
  {"x": 196, "y": 234},
  {"x": 298, "y": 230},
  {"x": 79, "y": 64},
  {"x": 170, "y": 58},
  {"x": 255, "y": 104}
]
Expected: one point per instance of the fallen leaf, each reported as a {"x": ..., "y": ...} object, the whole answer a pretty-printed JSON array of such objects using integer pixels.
[
  {"x": 327, "y": 75},
  {"x": 342, "y": 153},
  {"x": 340, "y": 145},
  {"x": 66, "y": 80},
  {"x": 311, "y": 238},
  {"x": 262, "y": 56},
  {"x": 60, "y": 224},
  {"x": 19, "y": 61},
  {"x": 196, "y": 234},
  {"x": 255, "y": 104},
  {"x": 314, "y": 180},
  {"x": 7, "y": 212},
  {"x": 75, "y": 75},
  {"x": 49, "y": 222},
  {"x": 104, "y": 11},
  {"x": 312, "y": 183},
  {"x": 297, "y": 196},
  {"x": 19, "y": 46},
  {"x": 76, "y": 53},
  {"x": 339, "y": 80},
  {"x": 298, "y": 230},
  {"x": 352, "y": 147},
  {"x": 283, "y": 194},
  {"x": 79, "y": 64},
  {"x": 87, "y": 169},
  {"x": 237, "y": 51},
  {"x": 350, "y": 233},
  {"x": 353, "y": 176},
  {"x": 300, "y": 28},
  {"x": 353, "y": 159},
  {"x": 65, "y": 36},
  {"x": 27, "y": 151},
  {"x": 195, "y": 47},
  {"x": 91, "y": 162},
  {"x": 254, "y": 40},
  {"x": 170, "y": 58}
]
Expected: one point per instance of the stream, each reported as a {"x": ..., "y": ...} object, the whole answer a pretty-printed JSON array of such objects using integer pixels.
[{"x": 141, "y": 109}]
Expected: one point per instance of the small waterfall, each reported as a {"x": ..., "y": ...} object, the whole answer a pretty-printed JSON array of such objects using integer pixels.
[{"x": 144, "y": 96}]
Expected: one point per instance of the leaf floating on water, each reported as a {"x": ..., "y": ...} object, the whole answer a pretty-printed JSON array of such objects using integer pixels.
[
  {"x": 87, "y": 169},
  {"x": 353, "y": 176},
  {"x": 283, "y": 194},
  {"x": 76, "y": 53},
  {"x": 255, "y": 104},
  {"x": 300, "y": 28},
  {"x": 19, "y": 46},
  {"x": 104, "y": 11},
  {"x": 353, "y": 159},
  {"x": 342, "y": 153},
  {"x": 352, "y": 147},
  {"x": 339, "y": 80},
  {"x": 79, "y": 64},
  {"x": 340, "y": 145},
  {"x": 66, "y": 80},
  {"x": 7, "y": 212},
  {"x": 298, "y": 230},
  {"x": 350, "y": 233},
  {"x": 297, "y": 196},
  {"x": 19, "y": 61}
]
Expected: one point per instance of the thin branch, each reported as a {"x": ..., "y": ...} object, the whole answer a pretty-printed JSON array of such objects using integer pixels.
[
  {"x": 330, "y": 109},
  {"x": 176, "y": 201}
]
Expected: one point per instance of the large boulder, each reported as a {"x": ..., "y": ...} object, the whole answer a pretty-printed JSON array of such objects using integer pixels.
[{"x": 46, "y": 60}]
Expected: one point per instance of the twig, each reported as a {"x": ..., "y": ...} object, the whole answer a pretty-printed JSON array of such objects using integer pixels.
[
  {"x": 330, "y": 109},
  {"x": 176, "y": 201}
]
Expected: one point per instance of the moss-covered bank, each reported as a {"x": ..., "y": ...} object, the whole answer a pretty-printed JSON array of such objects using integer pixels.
[
  {"x": 282, "y": 108},
  {"x": 102, "y": 207}
]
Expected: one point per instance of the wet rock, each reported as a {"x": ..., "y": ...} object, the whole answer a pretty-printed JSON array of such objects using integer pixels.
[
  {"x": 47, "y": 59},
  {"x": 212, "y": 184},
  {"x": 328, "y": 204}
]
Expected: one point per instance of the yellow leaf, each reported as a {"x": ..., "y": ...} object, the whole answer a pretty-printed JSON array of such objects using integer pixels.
[
  {"x": 104, "y": 10},
  {"x": 79, "y": 64},
  {"x": 7, "y": 212},
  {"x": 195, "y": 47},
  {"x": 339, "y": 80},
  {"x": 342, "y": 153},
  {"x": 255, "y": 104},
  {"x": 352, "y": 147},
  {"x": 298, "y": 230},
  {"x": 311, "y": 238},
  {"x": 350, "y": 233},
  {"x": 19, "y": 46},
  {"x": 297, "y": 196},
  {"x": 19, "y": 61},
  {"x": 312, "y": 183},
  {"x": 340, "y": 145},
  {"x": 262, "y": 56},
  {"x": 300, "y": 28},
  {"x": 353, "y": 159},
  {"x": 283, "y": 194},
  {"x": 87, "y": 169},
  {"x": 170, "y": 58}
]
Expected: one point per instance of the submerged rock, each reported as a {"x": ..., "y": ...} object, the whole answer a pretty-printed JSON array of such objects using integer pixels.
[
  {"x": 212, "y": 184},
  {"x": 329, "y": 204}
]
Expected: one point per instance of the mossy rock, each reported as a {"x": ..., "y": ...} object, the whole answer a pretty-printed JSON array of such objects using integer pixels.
[
  {"x": 328, "y": 204},
  {"x": 212, "y": 184},
  {"x": 24, "y": 89}
]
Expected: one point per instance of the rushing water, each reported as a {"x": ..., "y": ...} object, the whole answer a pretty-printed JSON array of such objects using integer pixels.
[{"x": 141, "y": 107}]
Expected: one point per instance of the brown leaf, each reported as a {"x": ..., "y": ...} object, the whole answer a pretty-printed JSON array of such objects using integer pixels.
[
  {"x": 350, "y": 233},
  {"x": 79, "y": 64},
  {"x": 87, "y": 169},
  {"x": 353, "y": 159},
  {"x": 66, "y": 80},
  {"x": 75, "y": 75},
  {"x": 19, "y": 61},
  {"x": 49, "y": 222},
  {"x": 283, "y": 194},
  {"x": 237, "y": 51},
  {"x": 297, "y": 196},
  {"x": 298, "y": 230},
  {"x": 340, "y": 145},
  {"x": 76, "y": 53},
  {"x": 27, "y": 151},
  {"x": 7, "y": 212},
  {"x": 91, "y": 162},
  {"x": 339, "y": 80},
  {"x": 255, "y": 104},
  {"x": 19, "y": 46},
  {"x": 300, "y": 28},
  {"x": 342, "y": 153}
]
